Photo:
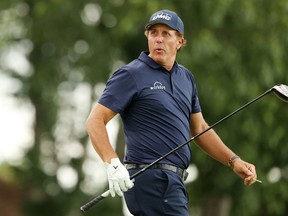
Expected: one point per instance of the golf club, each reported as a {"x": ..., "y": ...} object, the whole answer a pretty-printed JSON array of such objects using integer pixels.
[{"x": 280, "y": 90}]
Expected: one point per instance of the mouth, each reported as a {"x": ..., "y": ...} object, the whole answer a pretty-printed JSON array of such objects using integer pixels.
[{"x": 158, "y": 50}]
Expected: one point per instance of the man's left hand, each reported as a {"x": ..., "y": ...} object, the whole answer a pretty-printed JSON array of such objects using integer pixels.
[{"x": 245, "y": 170}]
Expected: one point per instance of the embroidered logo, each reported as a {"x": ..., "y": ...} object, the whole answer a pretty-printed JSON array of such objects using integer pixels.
[
  {"x": 162, "y": 16},
  {"x": 157, "y": 86}
]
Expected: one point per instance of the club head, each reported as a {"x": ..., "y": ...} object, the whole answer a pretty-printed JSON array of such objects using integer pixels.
[{"x": 281, "y": 91}]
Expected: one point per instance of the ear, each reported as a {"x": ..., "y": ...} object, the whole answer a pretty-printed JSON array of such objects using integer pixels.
[
  {"x": 180, "y": 43},
  {"x": 146, "y": 33}
]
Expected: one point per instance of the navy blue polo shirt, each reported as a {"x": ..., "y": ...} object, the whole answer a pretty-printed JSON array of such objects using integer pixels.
[{"x": 155, "y": 106}]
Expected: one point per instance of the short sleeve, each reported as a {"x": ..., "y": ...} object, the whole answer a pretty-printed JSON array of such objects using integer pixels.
[
  {"x": 196, "y": 107},
  {"x": 119, "y": 91}
]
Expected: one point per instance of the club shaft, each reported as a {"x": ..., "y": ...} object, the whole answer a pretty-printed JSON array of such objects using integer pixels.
[{"x": 106, "y": 193}]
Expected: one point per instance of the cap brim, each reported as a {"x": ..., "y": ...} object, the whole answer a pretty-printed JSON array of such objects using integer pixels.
[{"x": 150, "y": 24}]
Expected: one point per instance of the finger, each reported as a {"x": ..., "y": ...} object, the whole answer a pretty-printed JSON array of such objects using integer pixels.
[
  {"x": 129, "y": 184},
  {"x": 123, "y": 186},
  {"x": 117, "y": 189},
  {"x": 249, "y": 181},
  {"x": 111, "y": 189},
  {"x": 248, "y": 172},
  {"x": 252, "y": 169}
]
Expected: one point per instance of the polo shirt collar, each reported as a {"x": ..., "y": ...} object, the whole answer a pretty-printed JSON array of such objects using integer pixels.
[{"x": 149, "y": 61}]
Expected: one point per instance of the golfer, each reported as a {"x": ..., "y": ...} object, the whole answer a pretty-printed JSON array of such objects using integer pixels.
[{"x": 158, "y": 102}]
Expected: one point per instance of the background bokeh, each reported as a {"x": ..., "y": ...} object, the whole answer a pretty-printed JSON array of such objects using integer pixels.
[{"x": 55, "y": 57}]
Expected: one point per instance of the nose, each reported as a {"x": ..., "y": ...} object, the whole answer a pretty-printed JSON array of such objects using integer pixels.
[{"x": 159, "y": 39}]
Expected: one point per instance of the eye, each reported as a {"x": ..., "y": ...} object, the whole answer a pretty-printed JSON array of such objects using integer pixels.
[
  {"x": 166, "y": 34},
  {"x": 153, "y": 32}
]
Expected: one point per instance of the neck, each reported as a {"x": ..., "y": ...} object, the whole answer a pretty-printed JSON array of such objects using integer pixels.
[
  {"x": 168, "y": 68},
  {"x": 168, "y": 65}
]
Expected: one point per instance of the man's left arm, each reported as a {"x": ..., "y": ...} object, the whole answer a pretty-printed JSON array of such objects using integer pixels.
[{"x": 211, "y": 143}]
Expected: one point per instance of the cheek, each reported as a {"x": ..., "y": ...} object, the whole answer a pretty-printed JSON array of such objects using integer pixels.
[
  {"x": 178, "y": 45},
  {"x": 174, "y": 46},
  {"x": 151, "y": 42}
]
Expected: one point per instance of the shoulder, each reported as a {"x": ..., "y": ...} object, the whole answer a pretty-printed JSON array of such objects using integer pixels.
[
  {"x": 133, "y": 65},
  {"x": 136, "y": 69},
  {"x": 186, "y": 71},
  {"x": 128, "y": 68}
]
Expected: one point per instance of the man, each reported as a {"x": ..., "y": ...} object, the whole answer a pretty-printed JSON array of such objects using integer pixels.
[{"x": 158, "y": 102}]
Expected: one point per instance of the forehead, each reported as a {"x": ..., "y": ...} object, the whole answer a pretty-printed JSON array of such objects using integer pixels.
[{"x": 161, "y": 27}]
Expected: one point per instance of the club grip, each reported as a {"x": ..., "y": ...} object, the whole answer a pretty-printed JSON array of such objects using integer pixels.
[{"x": 94, "y": 201}]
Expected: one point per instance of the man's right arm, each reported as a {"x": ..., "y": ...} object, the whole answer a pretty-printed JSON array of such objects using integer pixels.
[
  {"x": 117, "y": 174},
  {"x": 96, "y": 128}
]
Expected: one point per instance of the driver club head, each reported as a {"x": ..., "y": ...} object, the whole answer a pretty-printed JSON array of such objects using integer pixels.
[{"x": 281, "y": 91}]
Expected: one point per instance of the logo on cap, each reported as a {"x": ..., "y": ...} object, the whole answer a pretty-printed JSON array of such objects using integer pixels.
[{"x": 162, "y": 16}]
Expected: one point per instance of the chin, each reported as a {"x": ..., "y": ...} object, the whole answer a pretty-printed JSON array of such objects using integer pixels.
[{"x": 158, "y": 58}]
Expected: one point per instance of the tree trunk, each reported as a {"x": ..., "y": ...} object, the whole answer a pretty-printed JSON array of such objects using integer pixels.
[{"x": 11, "y": 199}]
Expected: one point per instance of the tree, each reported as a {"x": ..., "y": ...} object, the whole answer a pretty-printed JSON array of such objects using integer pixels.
[{"x": 236, "y": 50}]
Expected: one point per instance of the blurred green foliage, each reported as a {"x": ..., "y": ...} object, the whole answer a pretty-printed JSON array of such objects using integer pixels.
[{"x": 236, "y": 50}]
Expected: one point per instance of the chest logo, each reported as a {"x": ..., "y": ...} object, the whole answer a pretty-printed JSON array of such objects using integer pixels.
[{"x": 157, "y": 86}]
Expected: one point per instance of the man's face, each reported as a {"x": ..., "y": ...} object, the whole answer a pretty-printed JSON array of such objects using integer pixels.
[{"x": 163, "y": 44}]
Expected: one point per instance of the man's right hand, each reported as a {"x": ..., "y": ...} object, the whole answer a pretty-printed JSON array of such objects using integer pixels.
[{"x": 118, "y": 177}]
